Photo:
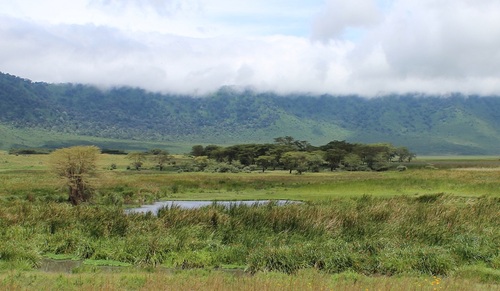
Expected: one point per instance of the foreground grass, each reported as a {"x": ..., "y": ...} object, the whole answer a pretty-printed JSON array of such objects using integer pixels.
[
  {"x": 213, "y": 280},
  {"x": 431, "y": 234}
]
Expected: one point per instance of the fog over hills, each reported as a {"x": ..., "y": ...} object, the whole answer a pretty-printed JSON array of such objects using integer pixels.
[
  {"x": 453, "y": 124},
  {"x": 194, "y": 47}
]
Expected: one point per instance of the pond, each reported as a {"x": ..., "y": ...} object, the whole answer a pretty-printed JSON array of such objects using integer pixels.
[{"x": 187, "y": 204}]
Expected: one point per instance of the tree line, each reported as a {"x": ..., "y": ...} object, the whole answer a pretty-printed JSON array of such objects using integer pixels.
[
  {"x": 286, "y": 153},
  {"x": 76, "y": 165},
  {"x": 300, "y": 156}
]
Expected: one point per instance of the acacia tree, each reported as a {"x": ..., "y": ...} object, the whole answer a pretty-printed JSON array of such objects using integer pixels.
[
  {"x": 201, "y": 162},
  {"x": 197, "y": 151},
  {"x": 137, "y": 159},
  {"x": 404, "y": 154},
  {"x": 160, "y": 157},
  {"x": 265, "y": 162},
  {"x": 334, "y": 157},
  {"x": 314, "y": 161},
  {"x": 76, "y": 165},
  {"x": 295, "y": 161}
]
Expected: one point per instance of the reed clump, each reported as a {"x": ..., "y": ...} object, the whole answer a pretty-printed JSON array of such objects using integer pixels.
[{"x": 429, "y": 235}]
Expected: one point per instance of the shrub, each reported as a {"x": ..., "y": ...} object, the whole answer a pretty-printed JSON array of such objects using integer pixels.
[
  {"x": 401, "y": 168},
  {"x": 280, "y": 259}
]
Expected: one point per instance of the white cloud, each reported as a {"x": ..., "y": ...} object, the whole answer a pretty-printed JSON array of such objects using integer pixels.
[
  {"x": 443, "y": 41},
  {"x": 339, "y": 15},
  {"x": 195, "y": 46}
]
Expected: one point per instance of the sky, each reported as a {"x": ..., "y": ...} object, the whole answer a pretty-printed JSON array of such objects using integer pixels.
[{"x": 338, "y": 47}]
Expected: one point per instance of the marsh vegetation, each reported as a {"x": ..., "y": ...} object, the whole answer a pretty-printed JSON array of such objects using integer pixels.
[{"x": 433, "y": 224}]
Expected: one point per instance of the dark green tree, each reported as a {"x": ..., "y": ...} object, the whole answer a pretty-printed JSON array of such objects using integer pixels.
[
  {"x": 197, "y": 151},
  {"x": 374, "y": 153},
  {"x": 297, "y": 161},
  {"x": 215, "y": 152},
  {"x": 285, "y": 140},
  {"x": 314, "y": 161},
  {"x": 137, "y": 159},
  {"x": 334, "y": 157},
  {"x": 352, "y": 162},
  {"x": 404, "y": 154},
  {"x": 265, "y": 162},
  {"x": 160, "y": 158}
]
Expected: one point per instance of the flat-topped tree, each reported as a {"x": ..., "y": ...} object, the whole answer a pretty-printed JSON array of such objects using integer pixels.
[
  {"x": 76, "y": 165},
  {"x": 137, "y": 159},
  {"x": 160, "y": 157}
]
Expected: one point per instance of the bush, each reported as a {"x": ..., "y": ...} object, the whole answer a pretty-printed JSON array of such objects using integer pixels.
[
  {"x": 30, "y": 151},
  {"x": 222, "y": 168},
  {"x": 433, "y": 261},
  {"x": 401, "y": 168},
  {"x": 194, "y": 259},
  {"x": 280, "y": 259}
]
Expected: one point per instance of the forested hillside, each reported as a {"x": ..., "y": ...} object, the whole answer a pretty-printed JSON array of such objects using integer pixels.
[{"x": 427, "y": 124}]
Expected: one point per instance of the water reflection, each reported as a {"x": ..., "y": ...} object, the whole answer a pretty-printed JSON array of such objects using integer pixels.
[{"x": 153, "y": 208}]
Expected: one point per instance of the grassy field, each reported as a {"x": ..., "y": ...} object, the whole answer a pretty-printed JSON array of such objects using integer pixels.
[
  {"x": 30, "y": 138},
  {"x": 457, "y": 176},
  {"x": 432, "y": 227}
]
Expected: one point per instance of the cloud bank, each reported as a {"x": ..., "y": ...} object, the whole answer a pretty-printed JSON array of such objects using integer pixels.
[{"x": 364, "y": 47}]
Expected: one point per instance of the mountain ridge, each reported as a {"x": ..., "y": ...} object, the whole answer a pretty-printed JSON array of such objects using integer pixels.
[{"x": 456, "y": 124}]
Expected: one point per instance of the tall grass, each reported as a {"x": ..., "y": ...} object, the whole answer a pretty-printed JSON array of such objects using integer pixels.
[{"x": 432, "y": 235}]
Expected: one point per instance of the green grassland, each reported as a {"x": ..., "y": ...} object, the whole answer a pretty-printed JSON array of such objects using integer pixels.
[
  {"x": 39, "y": 138},
  {"x": 464, "y": 176},
  {"x": 431, "y": 227}
]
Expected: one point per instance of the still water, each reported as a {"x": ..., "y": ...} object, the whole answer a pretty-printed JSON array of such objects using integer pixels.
[{"x": 153, "y": 208}]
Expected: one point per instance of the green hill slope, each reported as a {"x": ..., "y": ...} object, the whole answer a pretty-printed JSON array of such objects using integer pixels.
[{"x": 51, "y": 115}]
